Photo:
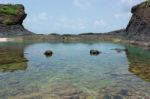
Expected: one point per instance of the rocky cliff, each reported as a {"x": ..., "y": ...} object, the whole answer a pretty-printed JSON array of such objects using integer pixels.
[
  {"x": 139, "y": 25},
  {"x": 11, "y": 19}
]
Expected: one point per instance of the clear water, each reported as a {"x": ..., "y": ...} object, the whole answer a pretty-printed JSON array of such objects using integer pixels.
[{"x": 71, "y": 73}]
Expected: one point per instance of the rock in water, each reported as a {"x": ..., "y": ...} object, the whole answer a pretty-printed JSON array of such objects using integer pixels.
[
  {"x": 48, "y": 53},
  {"x": 11, "y": 19},
  {"x": 120, "y": 50},
  {"x": 94, "y": 52}
]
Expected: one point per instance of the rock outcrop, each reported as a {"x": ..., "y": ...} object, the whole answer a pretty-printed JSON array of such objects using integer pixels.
[
  {"x": 11, "y": 19},
  {"x": 139, "y": 25}
]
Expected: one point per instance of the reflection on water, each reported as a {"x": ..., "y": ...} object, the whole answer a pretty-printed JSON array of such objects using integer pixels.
[
  {"x": 72, "y": 73},
  {"x": 12, "y": 58},
  {"x": 139, "y": 62}
]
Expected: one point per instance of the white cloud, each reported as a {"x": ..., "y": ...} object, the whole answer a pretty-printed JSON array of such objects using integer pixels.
[
  {"x": 69, "y": 23},
  {"x": 100, "y": 23},
  {"x": 83, "y": 4}
]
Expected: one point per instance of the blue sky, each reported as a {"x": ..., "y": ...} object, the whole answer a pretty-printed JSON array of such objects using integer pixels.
[{"x": 75, "y": 16}]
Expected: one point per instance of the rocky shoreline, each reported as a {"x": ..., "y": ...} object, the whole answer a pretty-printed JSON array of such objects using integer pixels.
[{"x": 136, "y": 33}]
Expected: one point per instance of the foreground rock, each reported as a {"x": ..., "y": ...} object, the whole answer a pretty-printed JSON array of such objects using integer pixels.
[{"x": 11, "y": 19}]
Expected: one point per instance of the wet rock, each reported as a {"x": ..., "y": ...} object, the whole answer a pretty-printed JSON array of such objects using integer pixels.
[
  {"x": 133, "y": 42},
  {"x": 124, "y": 92},
  {"x": 133, "y": 97},
  {"x": 68, "y": 97},
  {"x": 94, "y": 52},
  {"x": 71, "y": 97},
  {"x": 106, "y": 96},
  {"x": 48, "y": 53},
  {"x": 118, "y": 97},
  {"x": 120, "y": 50}
]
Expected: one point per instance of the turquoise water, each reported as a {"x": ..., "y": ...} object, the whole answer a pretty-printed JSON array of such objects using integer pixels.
[{"x": 71, "y": 73}]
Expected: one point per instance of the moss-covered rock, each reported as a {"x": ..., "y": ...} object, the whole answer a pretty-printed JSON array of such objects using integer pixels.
[
  {"x": 12, "y": 14},
  {"x": 11, "y": 19},
  {"x": 9, "y": 9},
  {"x": 145, "y": 4}
]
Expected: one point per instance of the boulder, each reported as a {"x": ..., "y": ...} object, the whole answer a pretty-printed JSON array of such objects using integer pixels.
[
  {"x": 48, "y": 53},
  {"x": 94, "y": 52}
]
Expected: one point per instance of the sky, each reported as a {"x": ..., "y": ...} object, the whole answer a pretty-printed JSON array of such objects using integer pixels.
[{"x": 75, "y": 16}]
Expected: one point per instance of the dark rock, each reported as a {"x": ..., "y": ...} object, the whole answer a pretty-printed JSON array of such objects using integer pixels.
[
  {"x": 48, "y": 53},
  {"x": 118, "y": 97},
  {"x": 120, "y": 50},
  {"x": 124, "y": 92},
  {"x": 68, "y": 97},
  {"x": 106, "y": 96},
  {"x": 94, "y": 52}
]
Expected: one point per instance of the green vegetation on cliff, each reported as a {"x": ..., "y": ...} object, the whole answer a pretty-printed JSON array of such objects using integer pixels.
[
  {"x": 145, "y": 4},
  {"x": 9, "y": 9}
]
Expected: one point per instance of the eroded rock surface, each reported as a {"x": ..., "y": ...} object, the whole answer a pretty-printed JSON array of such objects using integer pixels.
[{"x": 11, "y": 19}]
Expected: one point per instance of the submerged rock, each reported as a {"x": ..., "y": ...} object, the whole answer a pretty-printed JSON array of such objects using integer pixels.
[
  {"x": 120, "y": 50},
  {"x": 106, "y": 96},
  {"x": 118, "y": 97},
  {"x": 94, "y": 52},
  {"x": 124, "y": 92}
]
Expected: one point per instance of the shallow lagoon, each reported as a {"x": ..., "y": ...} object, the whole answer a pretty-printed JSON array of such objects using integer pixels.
[{"x": 72, "y": 73}]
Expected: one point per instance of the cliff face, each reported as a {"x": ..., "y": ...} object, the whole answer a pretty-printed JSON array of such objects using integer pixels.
[
  {"x": 139, "y": 25},
  {"x": 11, "y": 19}
]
